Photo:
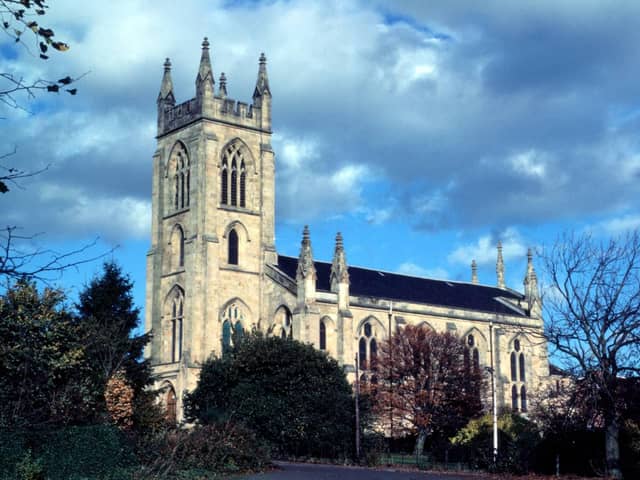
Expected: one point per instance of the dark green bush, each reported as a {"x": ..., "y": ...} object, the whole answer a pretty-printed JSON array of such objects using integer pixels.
[
  {"x": 98, "y": 451},
  {"x": 13, "y": 448}
]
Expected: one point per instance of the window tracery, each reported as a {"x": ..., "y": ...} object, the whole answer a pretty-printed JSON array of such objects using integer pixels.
[
  {"x": 176, "y": 325},
  {"x": 233, "y": 176},
  {"x": 233, "y": 321},
  {"x": 367, "y": 348},
  {"x": 518, "y": 377},
  {"x": 181, "y": 177}
]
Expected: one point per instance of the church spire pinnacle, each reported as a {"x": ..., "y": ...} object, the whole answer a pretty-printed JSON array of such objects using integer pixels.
[
  {"x": 530, "y": 278},
  {"x": 223, "y": 86},
  {"x": 204, "y": 80},
  {"x": 339, "y": 269},
  {"x": 262, "y": 83},
  {"x": 166, "y": 87},
  {"x": 306, "y": 267},
  {"x": 500, "y": 267},
  {"x": 474, "y": 271}
]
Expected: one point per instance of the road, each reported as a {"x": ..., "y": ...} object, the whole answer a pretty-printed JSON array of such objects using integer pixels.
[{"x": 305, "y": 471}]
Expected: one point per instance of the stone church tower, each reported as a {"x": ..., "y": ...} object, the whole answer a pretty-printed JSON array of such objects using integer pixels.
[{"x": 212, "y": 222}]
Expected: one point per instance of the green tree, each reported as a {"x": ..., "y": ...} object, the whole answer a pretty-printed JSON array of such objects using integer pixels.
[
  {"x": 43, "y": 364},
  {"x": 292, "y": 395},
  {"x": 110, "y": 319}
]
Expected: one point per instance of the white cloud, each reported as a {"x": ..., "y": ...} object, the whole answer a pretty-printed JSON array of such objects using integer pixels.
[
  {"x": 410, "y": 268},
  {"x": 528, "y": 163},
  {"x": 484, "y": 250},
  {"x": 619, "y": 225}
]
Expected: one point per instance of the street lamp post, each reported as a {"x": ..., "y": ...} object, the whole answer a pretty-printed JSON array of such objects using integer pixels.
[
  {"x": 493, "y": 397},
  {"x": 390, "y": 381},
  {"x": 357, "y": 407}
]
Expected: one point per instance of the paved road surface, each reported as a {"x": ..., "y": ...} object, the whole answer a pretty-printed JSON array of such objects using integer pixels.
[{"x": 295, "y": 471}]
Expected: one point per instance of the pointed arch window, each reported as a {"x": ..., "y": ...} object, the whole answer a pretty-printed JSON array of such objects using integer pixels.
[
  {"x": 522, "y": 367},
  {"x": 243, "y": 185},
  {"x": 224, "y": 182},
  {"x": 368, "y": 347},
  {"x": 282, "y": 322},
  {"x": 177, "y": 320},
  {"x": 232, "y": 258},
  {"x": 177, "y": 248},
  {"x": 362, "y": 353},
  {"x": 181, "y": 177},
  {"x": 514, "y": 373},
  {"x": 323, "y": 336},
  {"x": 234, "y": 183},
  {"x": 523, "y": 398},
  {"x": 514, "y": 398},
  {"x": 171, "y": 400},
  {"x": 233, "y": 321}
]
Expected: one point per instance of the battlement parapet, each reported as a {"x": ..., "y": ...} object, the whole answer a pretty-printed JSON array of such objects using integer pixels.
[{"x": 224, "y": 109}]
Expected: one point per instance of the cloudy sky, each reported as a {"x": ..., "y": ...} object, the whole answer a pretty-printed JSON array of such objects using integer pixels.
[{"x": 424, "y": 131}]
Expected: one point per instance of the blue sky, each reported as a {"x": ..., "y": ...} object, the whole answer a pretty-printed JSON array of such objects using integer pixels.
[{"x": 423, "y": 131}]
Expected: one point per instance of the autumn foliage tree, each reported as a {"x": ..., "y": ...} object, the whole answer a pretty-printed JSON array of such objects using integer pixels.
[{"x": 425, "y": 386}]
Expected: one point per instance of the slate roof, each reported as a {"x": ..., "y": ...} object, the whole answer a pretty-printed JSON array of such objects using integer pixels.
[{"x": 393, "y": 286}]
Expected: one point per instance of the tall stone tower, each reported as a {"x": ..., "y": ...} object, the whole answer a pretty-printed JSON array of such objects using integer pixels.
[{"x": 212, "y": 223}]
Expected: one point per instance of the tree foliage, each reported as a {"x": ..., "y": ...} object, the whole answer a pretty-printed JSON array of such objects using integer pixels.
[
  {"x": 593, "y": 320},
  {"x": 425, "y": 386},
  {"x": 292, "y": 395},
  {"x": 44, "y": 372},
  {"x": 109, "y": 319}
]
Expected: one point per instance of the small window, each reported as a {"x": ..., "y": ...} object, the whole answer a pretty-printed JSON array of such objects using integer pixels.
[
  {"x": 522, "y": 368},
  {"x": 373, "y": 353},
  {"x": 516, "y": 345},
  {"x": 470, "y": 341},
  {"x": 233, "y": 248},
  {"x": 172, "y": 401},
  {"x": 234, "y": 183},
  {"x": 476, "y": 359},
  {"x": 243, "y": 185},
  {"x": 523, "y": 398},
  {"x": 362, "y": 351},
  {"x": 514, "y": 398},
  {"x": 226, "y": 336},
  {"x": 323, "y": 336},
  {"x": 367, "y": 329},
  {"x": 224, "y": 181},
  {"x": 513, "y": 367}
]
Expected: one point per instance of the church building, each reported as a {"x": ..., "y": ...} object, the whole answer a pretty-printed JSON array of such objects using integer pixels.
[{"x": 213, "y": 271}]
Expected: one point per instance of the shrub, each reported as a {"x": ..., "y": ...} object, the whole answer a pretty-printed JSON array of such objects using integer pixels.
[{"x": 517, "y": 442}]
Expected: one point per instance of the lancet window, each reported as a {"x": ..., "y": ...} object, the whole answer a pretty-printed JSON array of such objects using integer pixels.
[
  {"x": 282, "y": 322},
  {"x": 177, "y": 321},
  {"x": 180, "y": 177},
  {"x": 232, "y": 258},
  {"x": 323, "y": 336}
]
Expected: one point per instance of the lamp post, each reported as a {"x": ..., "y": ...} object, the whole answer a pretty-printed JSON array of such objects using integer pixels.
[
  {"x": 357, "y": 407},
  {"x": 390, "y": 315},
  {"x": 493, "y": 397}
]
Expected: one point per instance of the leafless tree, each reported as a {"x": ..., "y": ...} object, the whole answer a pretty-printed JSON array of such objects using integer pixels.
[
  {"x": 593, "y": 320},
  {"x": 425, "y": 386}
]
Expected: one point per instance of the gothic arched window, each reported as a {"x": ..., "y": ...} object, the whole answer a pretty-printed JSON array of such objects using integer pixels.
[
  {"x": 243, "y": 185},
  {"x": 180, "y": 176},
  {"x": 514, "y": 398},
  {"x": 514, "y": 375},
  {"x": 323, "y": 336},
  {"x": 373, "y": 353},
  {"x": 362, "y": 353},
  {"x": 177, "y": 320},
  {"x": 232, "y": 258},
  {"x": 171, "y": 401},
  {"x": 523, "y": 398},
  {"x": 233, "y": 322},
  {"x": 522, "y": 367},
  {"x": 472, "y": 355},
  {"x": 224, "y": 182},
  {"x": 282, "y": 322},
  {"x": 234, "y": 183},
  {"x": 177, "y": 248},
  {"x": 368, "y": 347}
]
